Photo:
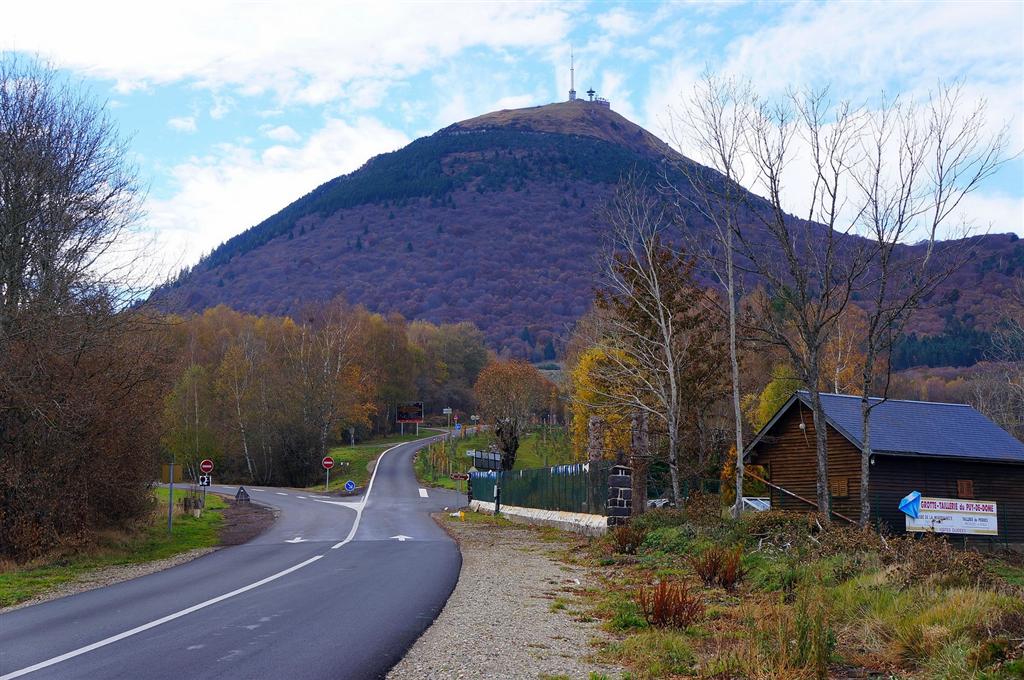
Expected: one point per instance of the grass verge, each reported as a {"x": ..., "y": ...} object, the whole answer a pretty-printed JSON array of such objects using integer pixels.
[
  {"x": 355, "y": 462},
  {"x": 810, "y": 602},
  {"x": 23, "y": 582}
]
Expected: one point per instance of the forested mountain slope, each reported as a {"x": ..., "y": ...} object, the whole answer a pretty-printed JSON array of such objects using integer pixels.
[{"x": 492, "y": 220}]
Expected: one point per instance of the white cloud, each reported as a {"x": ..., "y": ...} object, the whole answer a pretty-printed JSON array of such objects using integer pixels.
[
  {"x": 182, "y": 124},
  {"x": 234, "y": 187},
  {"x": 619, "y": 22},
  {"x": 281, "y": 133},
  {"x": 993, "y": 212},
  {"x": 222, "y": 106},
  {"x": 305, "y": 54},
  {"x": 865, "y": 49}
]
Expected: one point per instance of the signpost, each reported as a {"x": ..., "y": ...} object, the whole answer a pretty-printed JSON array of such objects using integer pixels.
[
  {"x": 170, "y": 499},
  {"x": 328, "y": 463},
  {"x": 206, "y": 467},
  {"x": 411, "y": 412},
  {"x": 350, "y": 486},
  {"x": 950, "y": 515},
  {"x": 447, "y": 410}
]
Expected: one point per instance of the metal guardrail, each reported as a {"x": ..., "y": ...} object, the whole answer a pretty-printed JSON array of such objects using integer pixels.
[{"x": 579, "y": 487}]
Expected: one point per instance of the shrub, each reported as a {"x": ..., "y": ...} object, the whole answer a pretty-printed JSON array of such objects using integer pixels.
[
  {"x": 797, "y": 642},
  {"x": 778, "y": 529},
  {"x": 670, "y": 605},
  {"x": 704, "y": 509},
  {"x": 815, "y": 639},
  {"x": 659, "y": 518},
  {"x": 655, "y": 653},
  {"x": 932, "y": 557},
  {"x": 719, "y": 566},
  {"x": 627, "y": 539},
  {"x": 730, "y": 570},
  {"x": 677, "y": 539}
]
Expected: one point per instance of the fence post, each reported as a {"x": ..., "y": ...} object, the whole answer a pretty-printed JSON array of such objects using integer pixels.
[{"x": 620, "y": 495}]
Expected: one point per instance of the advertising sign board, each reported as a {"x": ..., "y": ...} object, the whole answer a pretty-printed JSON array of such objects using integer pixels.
[
  {"x": 411, "y": 412},
  {"x": 954, "y": 516}
]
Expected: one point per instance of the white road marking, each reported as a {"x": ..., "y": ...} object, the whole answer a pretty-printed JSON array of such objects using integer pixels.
[
  {"x": 297, "y": 539},
  {"x": 423, "y": 493},
  {"x": 215, "y": 600},
  {"x": 153, "y": 624},
  {"x": 344, "y": 504},
  {"x": 403, "y": 538},
  {"x": 362, "y": 504},
  {"x": 302, "y": 497},
  {"x": 280, "y": 493}
]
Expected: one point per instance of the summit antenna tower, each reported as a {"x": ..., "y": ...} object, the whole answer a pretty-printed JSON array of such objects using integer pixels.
[{"x": 572, "y": 77}]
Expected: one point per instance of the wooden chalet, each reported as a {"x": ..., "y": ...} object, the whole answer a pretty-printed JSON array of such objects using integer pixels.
[{"x": 942, "y": 451}]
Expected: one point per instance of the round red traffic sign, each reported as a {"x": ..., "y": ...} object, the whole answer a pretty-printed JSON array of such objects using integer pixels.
[
  {"x": 327, "y": 462},
  {"x": 206, "y": 466}
]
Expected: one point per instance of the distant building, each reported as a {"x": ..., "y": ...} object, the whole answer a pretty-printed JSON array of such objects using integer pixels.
[
  {"x": 968, "y": 471},
  {"x": 593, "y": 99}
]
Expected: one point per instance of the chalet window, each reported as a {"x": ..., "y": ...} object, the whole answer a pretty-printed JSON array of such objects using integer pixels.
[
  {"x": 965, "y": 488},
  {"x": 840, "y": 487}
]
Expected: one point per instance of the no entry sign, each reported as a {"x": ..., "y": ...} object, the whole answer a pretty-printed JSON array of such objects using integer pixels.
[
  {"x": 206, "y": 466},
  {"x": 327, "y": 462}
]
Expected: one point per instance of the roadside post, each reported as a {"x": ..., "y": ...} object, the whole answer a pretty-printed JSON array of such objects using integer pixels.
[
  {"x": 206, "y": 467},
  {"x": 460, "y": 477},
  {"x": 328, "y": 463},
  {"x": 170, "y": 499},
  {"x": 447, "y": 410}
]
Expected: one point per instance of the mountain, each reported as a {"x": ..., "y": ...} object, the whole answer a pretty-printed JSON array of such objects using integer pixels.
[{"x": 490, "y": 220}]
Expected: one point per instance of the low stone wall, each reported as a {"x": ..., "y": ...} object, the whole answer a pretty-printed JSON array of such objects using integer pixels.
[{"x": 577, "y": 522}]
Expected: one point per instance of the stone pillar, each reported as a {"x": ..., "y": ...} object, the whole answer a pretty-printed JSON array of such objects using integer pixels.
[
  {"x": 595, "y": 438},
  {"x": 620, "y": 495},
  {"x": 639, "y": 460}
]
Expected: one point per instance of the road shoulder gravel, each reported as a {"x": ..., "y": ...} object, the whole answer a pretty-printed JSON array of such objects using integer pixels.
[{"x": 515, "y": 612}]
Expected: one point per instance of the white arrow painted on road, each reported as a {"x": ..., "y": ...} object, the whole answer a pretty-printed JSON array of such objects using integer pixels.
[
  {"x": 345, "y": 504},
  {"x": 297, "y": 539},
  {"x": 400, "y": 537}
]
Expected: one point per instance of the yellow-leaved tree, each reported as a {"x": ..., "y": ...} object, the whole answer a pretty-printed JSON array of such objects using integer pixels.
[{"x": 591, "y": 396}]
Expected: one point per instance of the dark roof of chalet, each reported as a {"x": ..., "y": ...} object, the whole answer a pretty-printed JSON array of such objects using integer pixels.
[{"x": 913, "y": 428}]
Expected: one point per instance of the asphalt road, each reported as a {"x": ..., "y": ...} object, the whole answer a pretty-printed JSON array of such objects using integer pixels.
[{"x": 345, "y": 600}]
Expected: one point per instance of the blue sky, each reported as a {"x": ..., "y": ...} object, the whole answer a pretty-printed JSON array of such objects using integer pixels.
[{"x": 235, "y": 109}]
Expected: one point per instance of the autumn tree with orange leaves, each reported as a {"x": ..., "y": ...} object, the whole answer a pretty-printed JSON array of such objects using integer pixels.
[{"x": 510, "y": 394}]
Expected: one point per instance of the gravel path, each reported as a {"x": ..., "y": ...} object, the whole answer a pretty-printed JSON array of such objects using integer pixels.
[{"x": 500, "y": 622}]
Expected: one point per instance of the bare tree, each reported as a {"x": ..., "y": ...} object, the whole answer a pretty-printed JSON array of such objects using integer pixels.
[
  {"x": 884, "y": 174},
  {"x": 810, "y": 266},
  {"x": 713, "y": 120},
  {"x": 660, "y": 326},
  {"x": 918, "y": 165},
  {"x": 78, "y": 373},
  {"x": 68, "y": 195}
]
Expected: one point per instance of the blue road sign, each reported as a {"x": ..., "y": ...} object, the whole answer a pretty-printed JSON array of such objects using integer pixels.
[
  {"x": 458, "y": 426},
  {"x": 911, "y": 504},
  {"x": 350, "y": 486}
]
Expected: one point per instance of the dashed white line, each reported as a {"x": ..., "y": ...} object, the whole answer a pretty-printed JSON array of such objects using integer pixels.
[
  {"x": 423, "y": 493},
  {"x": 302, "y": 497},
  {"x": 280, "y": 493},
  {"x": 153, "y": 624}
]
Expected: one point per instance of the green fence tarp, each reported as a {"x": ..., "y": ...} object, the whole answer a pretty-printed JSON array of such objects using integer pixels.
[{"x": 579, "y": 487}]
